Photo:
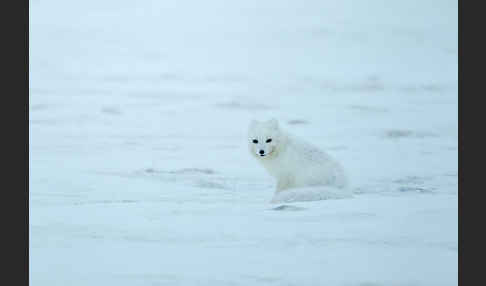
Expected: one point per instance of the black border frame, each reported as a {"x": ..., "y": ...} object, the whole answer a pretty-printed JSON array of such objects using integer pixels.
[{"x": 14, "y": 213}]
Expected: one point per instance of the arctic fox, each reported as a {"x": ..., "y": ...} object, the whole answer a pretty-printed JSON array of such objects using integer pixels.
[{"x": 308, "y": 172}]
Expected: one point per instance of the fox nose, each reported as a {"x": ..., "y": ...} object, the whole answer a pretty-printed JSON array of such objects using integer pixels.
[{"x": 261, "y": 152}]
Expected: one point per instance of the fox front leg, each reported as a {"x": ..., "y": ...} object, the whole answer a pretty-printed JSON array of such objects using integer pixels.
[{"x": 284, "y": 183}]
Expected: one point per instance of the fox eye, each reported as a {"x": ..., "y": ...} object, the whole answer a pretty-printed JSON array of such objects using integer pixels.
[
  {"x": 269, "y": 140},
  {"x": 255, "y": 141}
]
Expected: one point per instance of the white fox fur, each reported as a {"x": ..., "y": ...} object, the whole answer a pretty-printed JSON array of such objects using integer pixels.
[{"x": 295, "y": 163}]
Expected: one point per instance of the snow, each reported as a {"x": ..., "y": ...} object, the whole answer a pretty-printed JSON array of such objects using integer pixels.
[
  {"x": 139, "y": 168},
  {"x": 313, "y": 193}
]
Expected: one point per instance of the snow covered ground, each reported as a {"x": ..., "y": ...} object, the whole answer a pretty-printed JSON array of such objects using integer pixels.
[{"x": 139, "y": 168}]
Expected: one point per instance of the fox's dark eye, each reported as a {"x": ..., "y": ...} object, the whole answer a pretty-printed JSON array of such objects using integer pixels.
[
  {"x": 269, "y": 140},
  {"x": 255, "y": 141}
]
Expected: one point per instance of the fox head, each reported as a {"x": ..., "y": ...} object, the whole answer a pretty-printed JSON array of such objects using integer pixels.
[{"x": 264, "y": 138}]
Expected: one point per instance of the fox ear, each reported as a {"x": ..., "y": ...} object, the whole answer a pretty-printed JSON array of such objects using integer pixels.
[{"x": 274, "y": 123}]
